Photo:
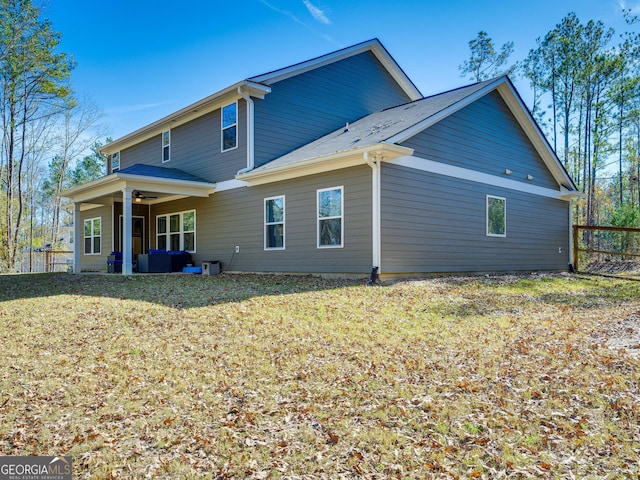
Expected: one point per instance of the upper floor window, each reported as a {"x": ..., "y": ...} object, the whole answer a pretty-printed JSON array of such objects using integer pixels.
[
  {"x": 229, "y": 127},
  {"x": 166, "y": 146},
  {"x": 330, "y": 217},
  {"x": 92, "y": 236},
  {"x": 115, "y": 162},
  {"x": 496, "y": 216},
  {"x": 274, "y": 223}
]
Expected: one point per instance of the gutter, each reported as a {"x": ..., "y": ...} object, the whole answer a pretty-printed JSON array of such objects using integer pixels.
[
  {"x": 250, "y": 132},
  {"x": 186, "y": 114},
  {"x": 324, "y": 163},
  {"x": 375, "y": 212}
]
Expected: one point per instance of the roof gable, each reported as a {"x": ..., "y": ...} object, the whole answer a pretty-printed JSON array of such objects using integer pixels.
[
  {"x": 377, "y": 127},
  {"x": 258, "y": 87},
  {"x": 397, "y": 124},
  {"x": 374, "y": 46}
]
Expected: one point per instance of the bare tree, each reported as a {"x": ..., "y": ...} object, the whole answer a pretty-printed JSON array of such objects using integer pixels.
[{"x": 33, "y": 85}]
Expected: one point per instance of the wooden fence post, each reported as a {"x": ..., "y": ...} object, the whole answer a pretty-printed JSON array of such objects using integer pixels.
[{"x": 575, "y": 248}]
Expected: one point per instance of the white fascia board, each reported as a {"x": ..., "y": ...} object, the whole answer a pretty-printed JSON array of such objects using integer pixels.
[
  {"x": 535, "y": 135},
  {"x": 83, "y": 207},
  {"x": 440, "y": 168},
  {"x": 109, "y": 184},
  {"x": 326, "y": 163},
  {"x": 373, "y": 45},
  {"x": 572, "y": 194},
  {"x": 89, "y": 195},
  {"x": 118, "y": 181},
  {"x": 142, "y": 182},
  {"x": 188, "y": 113},
  {"x": 230, "y": 185}
]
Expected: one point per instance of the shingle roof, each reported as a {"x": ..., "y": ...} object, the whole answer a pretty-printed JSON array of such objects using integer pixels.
[
  {"x": 377, "y": 127},
  {"x": 161, "y": 172}
]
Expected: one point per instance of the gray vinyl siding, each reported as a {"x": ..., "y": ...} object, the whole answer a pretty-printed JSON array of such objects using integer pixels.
[
  {"x": 147, "y": 152},
  {"x": 93, "y": 263},
  {"x": 486, "y": 137},
  {"x": 437, "y": 224},
  {"x": 236, "y": 217},
  {"x": 195, "y": 149},
  {"x": 302, "y": 108}
]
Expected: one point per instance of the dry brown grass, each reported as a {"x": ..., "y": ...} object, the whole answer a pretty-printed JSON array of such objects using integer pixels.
[{"x": 299, "y": 377}]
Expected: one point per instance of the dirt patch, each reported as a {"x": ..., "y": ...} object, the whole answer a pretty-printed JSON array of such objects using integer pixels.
[
  {"x": 613, "y": 266},
  {"x": 623, "y": 334}
]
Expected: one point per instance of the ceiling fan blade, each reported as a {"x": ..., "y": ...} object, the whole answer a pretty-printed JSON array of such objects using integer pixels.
[{"x": 142, "y": 196}]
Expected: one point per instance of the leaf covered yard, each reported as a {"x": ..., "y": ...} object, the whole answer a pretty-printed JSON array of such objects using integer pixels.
[{"x": 176, "y": 376}]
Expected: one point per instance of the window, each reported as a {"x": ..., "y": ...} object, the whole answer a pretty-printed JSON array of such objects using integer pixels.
[
  {"x": 92, "y": 236},
  {"x": 161, "y": 233},
  {"x": 274, "y": 223},
  {"x": 496, "y": 216},
  {"x": 229, "y": 127},
  {"x": 115, "y": 162},
  {"x": 176, "y": 231},
  {"x": 330, "y": 211},
  {"x": 166, "y": 146}
]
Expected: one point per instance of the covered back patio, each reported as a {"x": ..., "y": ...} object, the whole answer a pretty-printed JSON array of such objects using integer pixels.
[{"x": 130, "y": 194}]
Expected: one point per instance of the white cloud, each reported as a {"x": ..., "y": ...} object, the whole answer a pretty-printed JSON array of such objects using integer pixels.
[
  {"x": 135, "y": 108},
  {"x": 285, "y": 13},
  {"x": 316, "y": 12},
  {"x": 318, "y": 16},
  {"x": 634, "y": 9}
]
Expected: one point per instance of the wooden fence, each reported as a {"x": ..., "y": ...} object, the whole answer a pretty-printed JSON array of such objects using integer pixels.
[
  {"x": 586, "y": 240},
  {"x": 52, "y": 259}
]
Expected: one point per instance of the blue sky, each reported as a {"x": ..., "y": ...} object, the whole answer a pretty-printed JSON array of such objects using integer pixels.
[{"x": 141, "y": 60}]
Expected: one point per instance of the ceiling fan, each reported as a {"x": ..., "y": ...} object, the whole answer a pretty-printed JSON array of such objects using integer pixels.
[{"x": 139, "y": 196}]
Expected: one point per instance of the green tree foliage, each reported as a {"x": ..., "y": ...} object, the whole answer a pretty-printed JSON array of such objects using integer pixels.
[
  {"x": 91, "y": 167},
  {"x": 591, "y": 84},
  {"x": 485, "y": 62},
  {"x": 626, "y": 215}
]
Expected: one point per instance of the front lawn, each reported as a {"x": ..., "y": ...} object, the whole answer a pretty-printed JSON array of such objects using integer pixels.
[{"x": 239, "y": 376}]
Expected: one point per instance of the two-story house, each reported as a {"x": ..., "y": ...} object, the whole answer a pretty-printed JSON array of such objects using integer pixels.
[{"x": 335, "y": 165}]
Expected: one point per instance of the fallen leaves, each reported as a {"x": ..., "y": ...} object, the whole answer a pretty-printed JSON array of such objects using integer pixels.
[{"x": 300, "y": 377}]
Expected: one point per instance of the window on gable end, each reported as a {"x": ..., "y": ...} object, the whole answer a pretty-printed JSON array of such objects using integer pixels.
[
  {"x": 496, "y": 216},
  {"x": 166, "y": 146},
  {"x": 229, "y": 127}
]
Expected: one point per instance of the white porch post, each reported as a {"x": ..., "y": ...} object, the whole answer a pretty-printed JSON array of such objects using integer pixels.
[
  {"x": 78, "y": 238},
  {"x": 127, "y": 247}
]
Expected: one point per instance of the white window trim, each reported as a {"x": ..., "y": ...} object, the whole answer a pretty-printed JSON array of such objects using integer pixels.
[
  {"x": 92, "y": 236},
  {"x": 502, "y": 235},
  {"x": 341, "y": 217},
  {"x": 168, "y": 145},
  {"x": 223, "y": 128},
  {"x": 168, "y": 233},
  {"x": 283, "y": 222},
  {"x": 115, "y": 169}
]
